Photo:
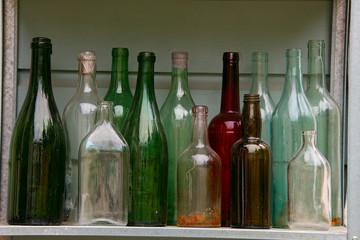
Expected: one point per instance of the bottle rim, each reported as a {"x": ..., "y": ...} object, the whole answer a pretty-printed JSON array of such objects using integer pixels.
[
  {"x": 200, "y": 110},
  {"x": 179, "y": 55},
  {"x": 87, "y": 55},
  {"x": 41, "y": 42},
  {"x": 316, "y": 43},
  {"x": 293, "y": 52},
  {"x": 251, "y": 97},
  {"x": 260, "y": 56},
  {"x": 116, "y": 52},
  {"x": 231, "y": 56},
  {"x": 146, "y": 56}
]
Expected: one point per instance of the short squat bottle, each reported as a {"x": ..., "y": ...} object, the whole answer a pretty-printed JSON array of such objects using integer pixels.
[
  {"x": 103, "y": 173},
  {"x": 37, "y": 149},
  {"x": 225, "y": 128},
  {"x": 119, "y": 90},
  {"x": 309, "y": 190},
  {"x": 146, "y": 137},
  {"x": 327, "y": 114},
  {"x": 176, "y": 116},
  {"x": 198, "y": 178},
  {"x": 250, "y": 171},
  {"x": 79, "y": 118}
]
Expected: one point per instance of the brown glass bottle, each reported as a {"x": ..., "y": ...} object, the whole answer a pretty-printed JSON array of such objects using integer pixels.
[{"x": 250, "y": 171}]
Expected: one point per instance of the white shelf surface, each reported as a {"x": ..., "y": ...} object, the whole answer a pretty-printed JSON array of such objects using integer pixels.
[{"x": 338, "y": 233}]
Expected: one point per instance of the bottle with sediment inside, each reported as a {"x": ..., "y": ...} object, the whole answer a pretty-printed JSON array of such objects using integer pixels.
[
  {"x": 79, "y": 118},
  {"x": 327, "y": 115},
  {"x": 37, "y": 149},
  {"x": 199, "y": 178},
  {"x": 250, "y": 171},
  {"x": 225, "y": 128},
  {"x": 176, "y": 116},
  {"x": 119, "y": 90},
  {"x": 146, "y": 137}
]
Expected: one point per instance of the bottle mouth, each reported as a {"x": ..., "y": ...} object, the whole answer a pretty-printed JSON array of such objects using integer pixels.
[
  {"x": 146, "y": 56},
  {"x": 231, "y": 56},
  {"x": 87, "y": 56},
  {"x": 116, "y": 52},
  {"x": 251, "y": 98},
  {"x": 41, "y": 42},
  {"x": 308, "y": 133},
  {"x": 316, "y": 44},
  {"x": 293, "y": 52},
  {"x": 260, "y": 57},
  {"x": 106, "y": 104},
  {"x": 200, "y": 110}
]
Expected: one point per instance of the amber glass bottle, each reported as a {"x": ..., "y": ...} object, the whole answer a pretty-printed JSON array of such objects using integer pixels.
[{"x": 250, "y": 171}]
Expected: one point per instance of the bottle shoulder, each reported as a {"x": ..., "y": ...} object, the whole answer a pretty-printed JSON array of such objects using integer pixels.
[
  {"x": 226, "y": 118},
  {"x": 201, "y": 156}
]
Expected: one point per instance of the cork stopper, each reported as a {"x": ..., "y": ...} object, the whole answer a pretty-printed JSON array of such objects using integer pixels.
[
  {"x": 87, "y": 62},
  {"x": 179, "y": 60}
]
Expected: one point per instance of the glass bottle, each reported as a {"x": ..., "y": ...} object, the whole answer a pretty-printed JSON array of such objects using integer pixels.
[
  {"x": 199, "y": 178},
  {"x": 38, "y": 149},
  {"x": 79, "y": 118},
  {"x": 176, "y": 116},
  {"x": 146, "y": 137},
  {"x": 119, "y": 90},
  {"x": 251, "y": 171},
  {"x": 292, "y": 115},
  {"x": 260, "y": 85},
  {"x": 327, "y": 114},
  {"x": 103, "y": 173},
  {"x": 225, "y": 128},
  {"x": 309, "y": 188}
]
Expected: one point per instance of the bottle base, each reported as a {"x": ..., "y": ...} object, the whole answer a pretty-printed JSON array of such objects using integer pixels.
[
  {"x": 103, "y": 222},
  {"x": 250, "y": 226},
  {"x": 44, "y": 222},
  {"x": 145, "y": 224},
  {"x": 200, "y": 226},
  {"x": 309, "y": 226}
]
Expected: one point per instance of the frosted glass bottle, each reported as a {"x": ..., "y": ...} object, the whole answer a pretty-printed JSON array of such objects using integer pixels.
[
  {"x": 103, "y": 173},
  {"x": 327, "y": 114},
  {"x": 176, "y": 116},
  {"x": 260, "y": 85},
  {"x": 79, "y": 118},
  {"x": 309, "y": 188},
  {"x": 292, "y": 115}
]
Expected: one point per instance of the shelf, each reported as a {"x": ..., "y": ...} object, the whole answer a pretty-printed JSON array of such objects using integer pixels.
[{"x": 338, "y": 233}]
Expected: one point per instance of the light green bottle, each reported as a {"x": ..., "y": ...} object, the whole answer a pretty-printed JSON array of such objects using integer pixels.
[
  {"x": 327, "y": 114},
  {"x": 177, "y": 119},
  {"x": 292, "y": 115}
]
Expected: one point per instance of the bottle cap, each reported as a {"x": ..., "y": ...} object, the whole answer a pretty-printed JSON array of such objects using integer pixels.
[
  {"x": 146, "y": 56},
  {"x": 87, "y": 62},
  {"x": 41, "y": 42},
  {"x": 231, "y": 56},
  {"x": 179, "y": 59},
  {"x": 120, "y": 52}
]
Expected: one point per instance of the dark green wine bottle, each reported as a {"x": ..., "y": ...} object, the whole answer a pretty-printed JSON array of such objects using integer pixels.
[
  {"x": 38, "y": 149},
  {"x": 146, "y": 137}
]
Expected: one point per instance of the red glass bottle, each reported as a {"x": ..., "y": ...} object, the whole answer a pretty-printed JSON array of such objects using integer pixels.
[{"x": 225, "y": 128}]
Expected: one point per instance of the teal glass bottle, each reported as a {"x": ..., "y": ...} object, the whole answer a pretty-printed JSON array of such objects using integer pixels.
[
  {"x": 146, "y": 137},
  {"x": 292, "y": 115},
  {"x": 37, "y": 149},
  {"x": 119, "y": 90},
  {"x": 327, "y": 114},
  {"x": 176, "y": 116},
  {"x": 260, "y": 85}
]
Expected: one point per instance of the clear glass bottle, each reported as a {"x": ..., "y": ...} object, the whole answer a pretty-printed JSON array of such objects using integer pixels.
[
  {"x": 119, "y": 90},
  {"x": 103, "y": 173},
  {"x": 225, "y": 127},
  {"x": 292, "y": 115},
  {"x": 79, "y": 118},
  {"x": 199, "y": 178},
  {"x": 176, "y": 116},
  {"x": 327, "y": 114},
  {"x": 146, "y": 137},
  {"x": 309, "y": 189},
  {"x": 260, "y": 85},
  {"x": 250, "y": 171},
  {"x": 37, "y": 149}
]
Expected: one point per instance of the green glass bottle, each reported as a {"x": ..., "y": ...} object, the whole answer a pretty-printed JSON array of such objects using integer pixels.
[
  {"x": 146, "y": 137},
  {"x": 292, "y": 115},
  {"x": 327, "y": 114},
  {"x": 38, "y": 149},
  {"x": 119, "y": 91},
  {"x": 176, "y": 116}
]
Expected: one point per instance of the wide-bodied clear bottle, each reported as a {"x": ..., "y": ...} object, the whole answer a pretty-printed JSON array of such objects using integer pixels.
[
  {"x": 309, "y": 187},
  {"x": 79, "y": 118},
  {"x": 260, "y": 85},
  {"x": 327, "y": 114},
  {"x": 199, "y": 178},
  {"x": 291, "y": 116},
  {"x": 119, "y": 90},
  {"x": 176, "y": 116},
  {"x": 103, "y": 173}
]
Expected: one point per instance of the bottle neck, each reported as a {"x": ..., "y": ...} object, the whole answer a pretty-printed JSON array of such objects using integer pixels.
[
  {"x": 251, "y": 120},
  {"x": 293, "y": 77},
  {"x": 40, "y": 70},
  {"x": 259, "y": 83},
  {"x": 119, "y": 74},
  {"x": 145, "y": 81},
  {"x": 87, "y": 76},
  {"x": 230, "y": 87},
  {"x": 199, "y": 135},
  {"x": 308, "y": 139},
  {"x": 316, "y": 68},
  {"x": 106, "y": 114},
  {"x": 179, "y": 82}
]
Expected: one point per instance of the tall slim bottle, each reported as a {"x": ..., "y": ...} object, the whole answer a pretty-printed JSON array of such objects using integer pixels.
[
  {"x": 37, "y": 149},
  {"x": 250, "y": 171},
  {"x": 292, "y": 115},
  {"x": 176, "y": 116},
  {"x": 199, "y": 178},
  {"x": 119, "y": 90},
  {"x": 327, "y": 114},
  {"x": 146, "y": 137},
  {"x": 79, "y": 118},
  {"x": 225, "y": 128},
  {"x": 260, "y": 85}
]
